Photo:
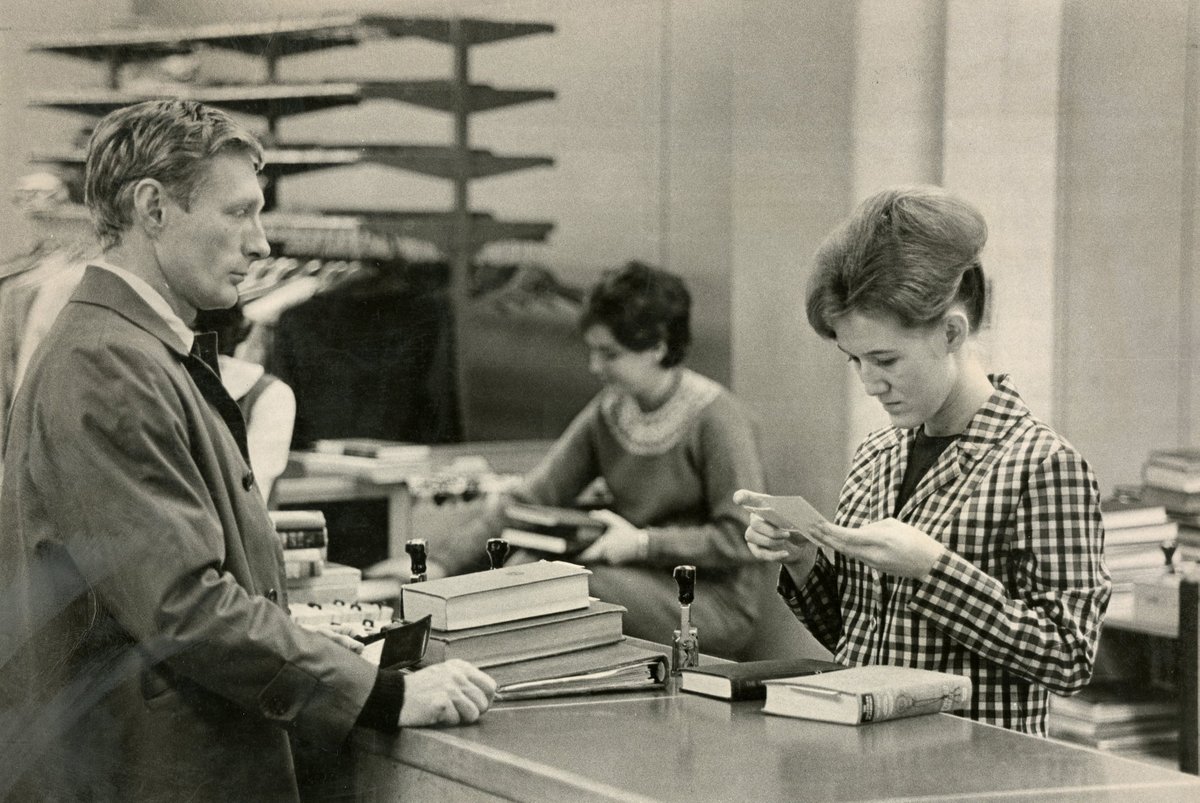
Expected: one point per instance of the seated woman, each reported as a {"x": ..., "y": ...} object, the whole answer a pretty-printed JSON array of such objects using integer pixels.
[
  {"x": 672, "y": 446},
  {"x": 968, "y": 536}
]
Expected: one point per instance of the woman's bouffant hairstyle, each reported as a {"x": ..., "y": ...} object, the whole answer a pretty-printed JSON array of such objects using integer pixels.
[
  {"x": 642, "y": 307},
  {"x": 170, "y": 141},
  {"x": 909, "y": 252}
]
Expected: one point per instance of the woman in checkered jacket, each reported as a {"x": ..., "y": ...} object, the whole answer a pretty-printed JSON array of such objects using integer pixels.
[{"x": 967, "y": 537}]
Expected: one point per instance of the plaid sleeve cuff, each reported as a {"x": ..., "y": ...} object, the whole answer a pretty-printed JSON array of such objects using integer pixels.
[{"x": 955, "y": 590}]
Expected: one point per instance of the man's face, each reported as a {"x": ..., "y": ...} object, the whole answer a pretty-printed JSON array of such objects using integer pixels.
[{"x": 204, "y": 251}]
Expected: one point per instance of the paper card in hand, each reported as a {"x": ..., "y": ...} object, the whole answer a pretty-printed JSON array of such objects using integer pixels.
[{"x": 791, "y": 513}]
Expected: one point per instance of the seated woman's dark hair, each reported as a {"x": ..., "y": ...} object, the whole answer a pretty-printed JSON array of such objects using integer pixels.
[
  {"x": 230, "y": 325},
  {"x": 642, "y": 307},
  {"x": 908, "y": 252}
]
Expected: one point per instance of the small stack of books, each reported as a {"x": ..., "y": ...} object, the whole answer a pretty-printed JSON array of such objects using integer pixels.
[
  {"x": 1135, "y": 532},
  {"x": 310, "y": 577},
  {"x": 1171, "y": 478},
  {"x": 534, "y": 628},
  {"x": 305, "y": 541},
  {"x": 1116, "y": 715}
]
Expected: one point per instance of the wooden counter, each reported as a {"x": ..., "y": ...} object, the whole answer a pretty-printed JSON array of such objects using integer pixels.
[{"x": 681, "y": 747}]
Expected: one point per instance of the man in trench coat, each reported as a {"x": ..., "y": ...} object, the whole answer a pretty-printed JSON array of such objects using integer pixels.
[{"x": 146, "y": 651}]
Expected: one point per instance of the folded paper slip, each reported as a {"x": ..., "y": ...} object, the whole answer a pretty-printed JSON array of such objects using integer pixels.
[
  {"x": 744, "y": 681},
  {"x": 864, "y": 694},
  {"x": 611, "y": 668},
  {"x": 524, "y": 639},
  {"x": 791, "y": 513},
  {"x": 501, "y": 595}
]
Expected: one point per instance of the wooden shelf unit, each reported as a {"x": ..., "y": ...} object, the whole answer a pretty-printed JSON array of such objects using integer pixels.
[{"x": 458, "y": 232}]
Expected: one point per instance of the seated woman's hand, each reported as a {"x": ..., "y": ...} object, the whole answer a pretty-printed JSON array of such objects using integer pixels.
[{"x": 621, "y": 542}]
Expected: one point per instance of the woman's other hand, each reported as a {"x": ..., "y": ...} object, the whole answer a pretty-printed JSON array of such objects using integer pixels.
[{"x": 888, "y": 546}]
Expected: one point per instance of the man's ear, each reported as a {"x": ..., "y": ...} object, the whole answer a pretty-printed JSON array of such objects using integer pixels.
[
  {"x": 149, "y": 202},
  {"x": 956, "y": 329}
]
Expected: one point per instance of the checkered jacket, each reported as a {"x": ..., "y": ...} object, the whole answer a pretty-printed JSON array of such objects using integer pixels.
[{"x": 1015, "y": 601}]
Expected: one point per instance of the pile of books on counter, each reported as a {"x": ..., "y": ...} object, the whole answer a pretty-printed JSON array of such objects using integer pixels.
[
  {"x": 1171, "y": 478},
  {"x": 1122, "y": 716},
  {"x": 310, "y": 577},
  {"x": 535, "y": 629},
  {"x": 1135, "y": 533}
]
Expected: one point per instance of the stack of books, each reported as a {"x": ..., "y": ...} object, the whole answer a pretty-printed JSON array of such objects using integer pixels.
[
  {"x": 310, "y": 577},
  {"x": 1171, "y": 478},
  {"x": 534, "y": 628},
  {"x": 305, "y": 541},
  {"x": 1116, "y": 715},
  {"x": 1135, "y": 532}
]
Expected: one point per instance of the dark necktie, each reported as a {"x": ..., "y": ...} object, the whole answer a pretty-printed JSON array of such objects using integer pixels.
[{"x": 205, "y": 370}]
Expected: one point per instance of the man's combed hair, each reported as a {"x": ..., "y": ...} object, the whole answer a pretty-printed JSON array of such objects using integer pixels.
[
  {"x": 170, "y": 141},
  {"x": 642, "y": 307},
  {"x": 910, "y": 253}
]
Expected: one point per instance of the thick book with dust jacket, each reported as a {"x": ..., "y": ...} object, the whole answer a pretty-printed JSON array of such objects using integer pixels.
[
  {"x": 513, "y": 592},
  {"x": 863, "y": 694}
]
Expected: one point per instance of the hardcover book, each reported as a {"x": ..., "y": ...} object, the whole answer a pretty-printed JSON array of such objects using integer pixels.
[
  {"x": 865, "y": 694},
  {"x": 513, "y": 592},
  {"x": 524, "y": 639},
  {"x": 612, "y": 668},
  {"x": 744, "y": 681},
  {"x": 374, "y": 448},
  {"x": 1122, "y": 513},
  {"x": 553, "y": 530},
  {"x": 371, "y": 469}
]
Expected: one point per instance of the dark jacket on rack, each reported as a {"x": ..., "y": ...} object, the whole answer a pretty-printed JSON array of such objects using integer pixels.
[{"x": 145, "y": 647}]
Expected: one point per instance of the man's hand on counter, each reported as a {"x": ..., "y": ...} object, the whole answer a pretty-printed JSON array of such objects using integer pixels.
[{"x": 450, "y": 693}]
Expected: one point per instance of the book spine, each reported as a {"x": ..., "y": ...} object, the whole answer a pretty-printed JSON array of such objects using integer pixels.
[
  {"x": 897, "y": 703},
  {"x": 747, "y": 689},
  {"x": 302, "y": 539}
]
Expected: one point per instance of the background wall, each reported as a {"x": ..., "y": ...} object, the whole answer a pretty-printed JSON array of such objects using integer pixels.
[{"x": 724, "y": 140}]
